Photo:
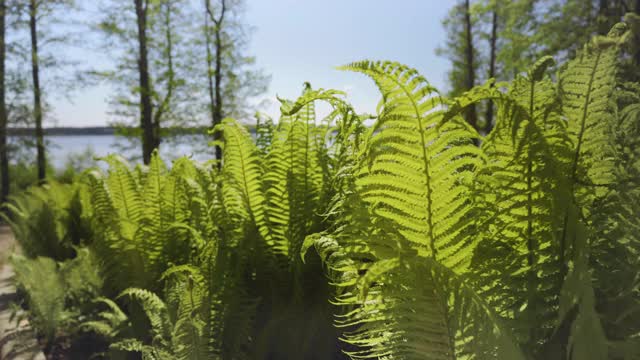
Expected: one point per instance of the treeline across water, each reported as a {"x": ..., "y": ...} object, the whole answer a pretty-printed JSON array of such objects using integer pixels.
[
  {"x": 107, "y": 130},
  {"x": 172, "y": 65}
]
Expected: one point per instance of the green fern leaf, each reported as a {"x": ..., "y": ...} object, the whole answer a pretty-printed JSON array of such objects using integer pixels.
[{"x": 400, "y": 256}]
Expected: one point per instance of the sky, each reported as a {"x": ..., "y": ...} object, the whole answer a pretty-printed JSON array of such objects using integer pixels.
[{"x": 304, "y": 40}]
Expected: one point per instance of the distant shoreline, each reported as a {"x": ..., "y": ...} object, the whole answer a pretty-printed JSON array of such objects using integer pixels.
[{"x": 99, "y": 130}]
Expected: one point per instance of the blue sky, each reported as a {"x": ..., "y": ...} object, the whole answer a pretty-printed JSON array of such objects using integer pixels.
[{"x": 303, "y": 40}]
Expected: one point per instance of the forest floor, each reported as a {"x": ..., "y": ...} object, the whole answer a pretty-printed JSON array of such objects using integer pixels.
[{"x": 17, "y": 340}]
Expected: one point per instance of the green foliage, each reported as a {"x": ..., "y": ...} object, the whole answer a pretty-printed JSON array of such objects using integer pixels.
[
  {"x": 430, "y": 241},
  {"x": 57, "y": 293},
  {"x": 24, "y": 173},
  {"x": 42, "y": 282},
  {"x": 177, "y": 328},
  {"x": 135, "y": 213},
  {"x": 516, "y": 254},
  {"x": 48, "y": 220},
  {"x": 405, "y": 245},
  {"x": 272, "y": 202}
]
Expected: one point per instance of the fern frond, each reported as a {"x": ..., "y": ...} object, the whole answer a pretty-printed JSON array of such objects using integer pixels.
[
  {"x": 40, "y": 220},
  {"x": 125, "y": 189},
  {"x": 161, "y": 231},
  {"x": 518, "y": 261},
  {"x": 406, "y": 221},
  {"x": 293, "y": 176},
  {"x": 147, "y": 352},
  {"x": 45, "y": 289},
  {"x": 242, "y": 173},
  {"x": 154, "y": 308},
  {"x": 416, "y": 173},
  {"x": 114, "y": 244},
  {"x": 109, "y": 323},
  {"x": 587, "y": 338},
  {"x": 586, "y": 87},
  {"x": 264, "y": 132},
  {"x": 439, "y": 316}
]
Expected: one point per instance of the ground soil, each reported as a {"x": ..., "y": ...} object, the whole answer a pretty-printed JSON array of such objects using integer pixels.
[{"x": 7, "y": 244}]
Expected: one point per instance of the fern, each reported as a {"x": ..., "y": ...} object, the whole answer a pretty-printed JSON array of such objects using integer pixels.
[
  {"x": 264, "y": 132},
  {"x": 406, "y": 148},
  {"x": 46, "y": 294},
  {"x": 297, "y": 189},
  {"x": 110, "y": 324},
  {"x": 586, "y": 88},
  {"x": 615, "y": 240},
  {"x": 44, "y": 222},
  {"x": 412, "y": 182},
  {"x": 241, "y": 171},
  {"x": 139, "y": 216},
  {"x": 518, "y": 259},
  {"x": 117, "y": 209},
  {"x": 172, "y": 338},
  {"x": 293, "y": 179},
  {"x": 57, "y": 294},
  {"x": 241, "y": 220}
]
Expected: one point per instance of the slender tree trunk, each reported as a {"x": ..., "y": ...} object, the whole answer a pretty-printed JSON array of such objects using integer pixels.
[
  {"x": 603, "y": 17},
  {"x": 216, "y": 107},
  {"x": 217, "y": 114},
  {"x": 637, "y": 11},
  {"x": 171, "y": 83},
  {"x": 146, "y": 113},
  {"x": 472, "y": 115},
  {"x": 4, "y": 157},
  {"x": 207, "y": 37},
  {"x": 604, "y": 4},
  {"x": 492, "y": 67},
  {"x": 37, "y": 102}
]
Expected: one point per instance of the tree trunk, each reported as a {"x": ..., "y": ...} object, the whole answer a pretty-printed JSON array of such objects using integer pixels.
[
  {"x": 637, "y": 11},
  {"x": 4, "y": 157},
  {"x": 492, "y": 67},
  {"x": 149, "y": 142},
  {"x": 471, "y": 114},
  {"x": 217, "y": 114},
  {"x": 207, "y": 37},
  {"x": 37, "y": 103},
  {"x": 216, "y": 106},
  {"x": 603, "y": 17},
  {"x": 171, "y": 83}
]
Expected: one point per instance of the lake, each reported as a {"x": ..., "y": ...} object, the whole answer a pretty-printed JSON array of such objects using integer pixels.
[{"x": 60, "y": 147}]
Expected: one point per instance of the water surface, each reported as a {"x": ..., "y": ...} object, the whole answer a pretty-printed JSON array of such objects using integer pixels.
[{"x": 61, "y": 147}]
